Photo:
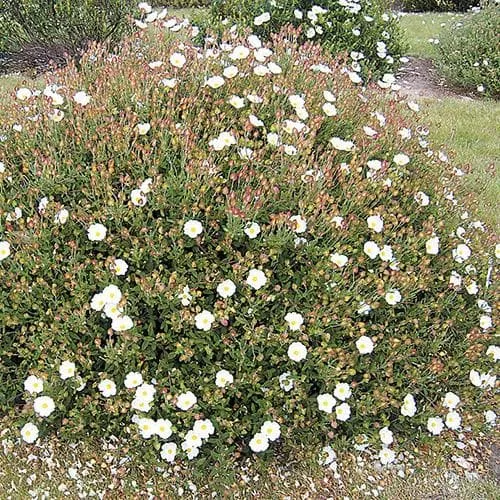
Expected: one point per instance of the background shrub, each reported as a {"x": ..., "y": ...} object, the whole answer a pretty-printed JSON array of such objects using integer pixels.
[
  {"x": 468, "y": 52},
  {"x": 439, "y": 5},
  {"x": 311, "y": 199},
  {"x": 365, "y": 29},
  {"x": 33, "y": 32}
]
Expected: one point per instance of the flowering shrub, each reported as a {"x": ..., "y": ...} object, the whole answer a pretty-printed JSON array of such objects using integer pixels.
[
  {"x": 228, "y": 249},
  {"x": 468, "y": 55},
  {"x": 35, "y": 32},
  {"x": 366, "y": 30}
]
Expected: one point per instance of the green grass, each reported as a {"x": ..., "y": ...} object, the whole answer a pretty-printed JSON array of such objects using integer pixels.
[
  {"x": 471, "y": 129},
  {"x": 419, "y": 28}
]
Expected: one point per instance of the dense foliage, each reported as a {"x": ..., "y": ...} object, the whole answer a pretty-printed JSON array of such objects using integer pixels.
[
  {"x": 439, "y": 5},
  {"x": 366, "y": 30},
  {"x": 468, "y": 51},
  {"x": 33, "y": 32},
  {"x": 237, "y": 245}
]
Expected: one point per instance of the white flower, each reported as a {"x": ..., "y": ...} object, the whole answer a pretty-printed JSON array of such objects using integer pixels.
[
  {"x": 299, "y": 224},
  {"x": 132, "y": 380},
  {"x": 386, "y": 254},
  {"x": 472, "y": 288},
  {"x": 485, "y": 322},
  {"x": 112, "y": 311},
  {"x": 4, "y": 250},
  {"x": 343, "y": 412},
  {"x": 274, "y": 140},
  {"x": 107, "y": 387},
  {"x": 481, "y": 380},
  {"x": 285, "y": 381},
  {"x": 155, "y": 64},
  {"x": 375, "y": 223},
  {"x": 408, "y": 408},
  {"x": 259, "y": 443},
  {"x": 215, "y": 82},
  {"x": 185, "y": 296},
  {"x": 493, "y": 351},
  {"x": 112, "y": 294},
  {"x": 371, "y": 249},
  {"x": 81, "y": 98},
  {"x": 237, "y": 102},
  {"x": 169, "y": 82},
  {"x": 255, "y": 121},
  {"x": 401, "y": 159},
  {"x": 450, "y": 400},
  {"x": 145, "y": 392},
  {"x": 230, "y": 71},
  {"x": 122, "y": 323},
  {"x": 342, "y": 391},
  {"x": 98, "y": 302},
  {"x": 329, "y": 109},
  {"x": 191, "y": 451},
  {"x": 271, "y": 430},
  {"x": 168, "y": 452},
  {"x": 327, "y": 456},
  {"x": 223, "y": 378},
  {"x": 461, "y": 253},
  {"x": 263, "y": 18},
  {"x": 435, "y": 425},
  {"x": 203, "y": 428},
  {"x": 413, "y": 106},
  {"x": 341, "y": 145},
  {"x": 145, "y": 7},
  {"x": 119, "y": 267},
  {"x": 497, "y": 250},
  {"x": 326, "y": 402},
  {"x": 96, "y": 232},
  {"x": 186, "y": 400},
  {"x": 297, "y": 351},
  {"x": 490, "y": 417},
  {"x": 364, "y": 345},
  {"x": 455, "y": 279},
  {"x": 143, "y": 128},
  {"x": 453, "y": 420},
  {"x": 374, "y": 165},
  {"x": 339, "y": 259},
  {"x": 204, "y": 320},
  {"x": 239, "y": 52},
  {"x": 294, "y": 320},
  {"x": 392, "y": 297},
  {"x": 43, "y": 406},
  {"x": 29, "y": 433},
  {"x": 61, "y": 216},
  {"x": 146, "y": 426},
  {"x": 67, "y": 370},
  {"x": 193, "y": 228},
  {"x": 252, "y": 230},
  {"x": 193, "y": 439},
  {"x": 33, "y": 384},
  {"x": 163, "y": 428},
  {"x": 422, "y": 199},
  {"x": 23, "y": 94},
  {"x": 140, "y": 405},
  {"x": 432, "y": 246},
  {"x": 386, "y": 456},
  {"x": 226, "y": 289},
  {"x": 256, "y": 279},
  {"x": 178, "y": 60},
  {"x": 386, "y": 436}
]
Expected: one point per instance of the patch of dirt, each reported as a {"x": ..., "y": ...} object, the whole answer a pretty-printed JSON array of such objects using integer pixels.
[{"x": 420, "y": 78}]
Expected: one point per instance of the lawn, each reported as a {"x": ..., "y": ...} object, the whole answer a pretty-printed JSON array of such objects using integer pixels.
[{"x": 420, "y": 28}]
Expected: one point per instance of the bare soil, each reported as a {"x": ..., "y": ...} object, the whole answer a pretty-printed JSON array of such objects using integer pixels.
[{"x": 420, "y": 78}]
